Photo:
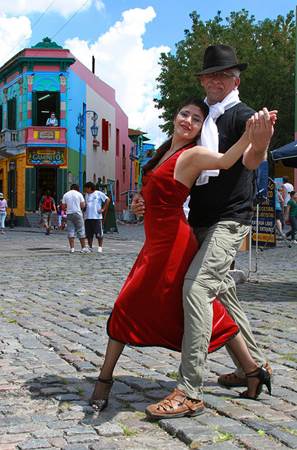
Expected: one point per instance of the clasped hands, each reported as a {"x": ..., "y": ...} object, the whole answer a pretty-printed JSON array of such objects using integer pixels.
[{"x": 260, "y": 129}]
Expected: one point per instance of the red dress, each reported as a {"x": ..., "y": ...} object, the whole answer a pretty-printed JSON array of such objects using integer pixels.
[{"x": 148, "y": 310}]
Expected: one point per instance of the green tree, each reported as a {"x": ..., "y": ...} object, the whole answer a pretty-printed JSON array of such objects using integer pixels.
[{"x": 267, "y": 46}]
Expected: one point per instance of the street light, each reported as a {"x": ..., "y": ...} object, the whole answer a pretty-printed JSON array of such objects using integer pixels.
[{"x": 81, "y": 131}]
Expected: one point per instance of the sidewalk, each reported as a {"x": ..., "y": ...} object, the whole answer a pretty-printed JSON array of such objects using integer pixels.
[{"x": 53, "y": 312}]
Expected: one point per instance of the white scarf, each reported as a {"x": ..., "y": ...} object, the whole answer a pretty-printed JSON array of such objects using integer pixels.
[{"x": 209, "y": 134}]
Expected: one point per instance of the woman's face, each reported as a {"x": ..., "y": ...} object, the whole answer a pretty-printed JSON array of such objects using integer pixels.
[{"x": 188, "y": 122}]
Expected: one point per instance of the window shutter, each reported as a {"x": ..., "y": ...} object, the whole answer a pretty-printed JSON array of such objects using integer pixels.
[{"x": 105, "y": 135}]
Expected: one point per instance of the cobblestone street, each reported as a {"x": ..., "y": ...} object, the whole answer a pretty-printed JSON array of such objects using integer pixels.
[{"x": 53, "y": 311}]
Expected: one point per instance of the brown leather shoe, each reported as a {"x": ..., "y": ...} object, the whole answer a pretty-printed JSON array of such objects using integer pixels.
[
  {"x": 233, "y": 380},
  {"x": 176, "y": 404}
]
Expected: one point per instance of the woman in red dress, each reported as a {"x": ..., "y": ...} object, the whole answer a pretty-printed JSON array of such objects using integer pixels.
[{"x": 148, "y": 310}]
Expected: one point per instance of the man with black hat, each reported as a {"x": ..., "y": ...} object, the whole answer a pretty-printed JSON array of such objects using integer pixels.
[{"x": 220, "y": 214}]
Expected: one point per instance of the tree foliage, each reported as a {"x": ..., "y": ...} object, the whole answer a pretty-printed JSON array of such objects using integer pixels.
[{"x": 267, "y": 46}]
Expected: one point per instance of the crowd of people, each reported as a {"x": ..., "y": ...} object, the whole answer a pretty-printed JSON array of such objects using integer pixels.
[{"x": 83, "y": 216}]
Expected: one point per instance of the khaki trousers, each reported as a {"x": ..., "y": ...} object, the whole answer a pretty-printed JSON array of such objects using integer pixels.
[{"x": 207, "y": 278}]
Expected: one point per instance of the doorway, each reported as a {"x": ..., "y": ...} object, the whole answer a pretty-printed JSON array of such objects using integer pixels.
[{"x": 46, "y": 180}]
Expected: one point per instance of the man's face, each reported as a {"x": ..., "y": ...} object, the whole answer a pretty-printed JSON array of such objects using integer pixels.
[{"x": 218, "y": 85}]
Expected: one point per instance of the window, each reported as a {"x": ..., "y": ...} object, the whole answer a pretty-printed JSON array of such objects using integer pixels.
[
  {"x": 117, "y": 191},
  {"x": 43, "y": 103},
  {"x": 11, "y": 114},
  {"x": 117, "y": 142},
  {"x": 12, "y": 185},
  {"x": 1, "y": 118},
  {"x": 105, "y": 135}
]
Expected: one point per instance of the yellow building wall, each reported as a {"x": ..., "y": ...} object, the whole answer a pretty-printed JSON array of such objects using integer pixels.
[
  {"x": 21, "y": 185},
  {"x": 20, "y": 161},
  {"x": 4, "y": 169}
]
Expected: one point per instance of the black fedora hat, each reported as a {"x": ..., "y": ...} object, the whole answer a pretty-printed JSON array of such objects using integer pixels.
[{"x": 220, "y": 57}]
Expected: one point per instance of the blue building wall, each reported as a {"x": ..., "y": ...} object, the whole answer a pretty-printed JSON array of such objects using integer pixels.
[{"x": 76, "y": 95}]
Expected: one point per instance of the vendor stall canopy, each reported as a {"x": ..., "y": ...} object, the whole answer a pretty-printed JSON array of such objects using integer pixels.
[{"x": 286, "y": 154}]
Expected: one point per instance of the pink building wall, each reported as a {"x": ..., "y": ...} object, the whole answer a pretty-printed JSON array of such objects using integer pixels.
[{"x": 122, "y": 181}]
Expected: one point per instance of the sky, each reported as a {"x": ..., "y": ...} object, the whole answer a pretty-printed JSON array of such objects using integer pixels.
[{"x": 125, "y": 36}]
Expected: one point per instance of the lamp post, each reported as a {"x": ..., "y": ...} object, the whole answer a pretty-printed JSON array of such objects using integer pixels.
[{"x": 81, "y": 131}]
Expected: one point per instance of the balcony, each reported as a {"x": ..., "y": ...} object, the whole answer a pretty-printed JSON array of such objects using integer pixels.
[
  {"x": 51, "y": 136},
  {"x": 13, "y": 142},
  {"x": 9, "y": 142}
]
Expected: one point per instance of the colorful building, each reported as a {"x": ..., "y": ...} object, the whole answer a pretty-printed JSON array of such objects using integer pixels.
[{"x": 34, "y": 157}]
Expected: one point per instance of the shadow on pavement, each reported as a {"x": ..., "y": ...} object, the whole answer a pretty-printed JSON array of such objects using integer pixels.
[
  {"x": 73, "y": 394},
  {"x": 268, "y": 291}
]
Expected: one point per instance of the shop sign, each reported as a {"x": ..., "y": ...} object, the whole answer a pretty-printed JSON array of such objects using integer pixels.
[
  {"x": 46, "y": 134},
  {"x": 42, "y": 157},
  {"x": 266, "y": 220}
]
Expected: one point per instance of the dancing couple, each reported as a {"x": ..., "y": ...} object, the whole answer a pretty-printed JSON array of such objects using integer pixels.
[{"x": 179, "y": 294}]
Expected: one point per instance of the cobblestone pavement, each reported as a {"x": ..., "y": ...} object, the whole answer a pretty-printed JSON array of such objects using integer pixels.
[{"x": 53, "y": 311}]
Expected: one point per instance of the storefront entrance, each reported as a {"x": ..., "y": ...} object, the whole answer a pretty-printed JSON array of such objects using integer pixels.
[{"x": 46, "y": 180}]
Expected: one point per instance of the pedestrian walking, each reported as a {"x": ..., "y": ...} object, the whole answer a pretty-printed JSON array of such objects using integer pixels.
[
  {"x": 292, "y": 215},
  {"x": 3, "y": 209},
  {"x": 279, "y": 210},
  {"x": 73, "y": 202},
  {"x": 96, "y": 207},
  {"x": 62, "y": 216},
  {"x": 149, "y": 308},
  {"x": 288, "y": 188},
  {"x": 46, "y": 207},
  {"x": 220, "y": 227}
]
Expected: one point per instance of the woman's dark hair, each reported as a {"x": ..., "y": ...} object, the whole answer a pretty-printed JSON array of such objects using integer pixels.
[{"x": 167, "y": 144}]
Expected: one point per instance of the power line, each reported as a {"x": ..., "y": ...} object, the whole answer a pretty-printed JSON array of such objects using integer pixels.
[
  {"x": 42, "y": 14},
  {"x": 33, "y": 25},
  {"x": 70, "y": 18}
]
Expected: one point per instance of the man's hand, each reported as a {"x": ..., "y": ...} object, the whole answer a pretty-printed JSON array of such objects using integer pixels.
[{"x": 137, "y": 205}]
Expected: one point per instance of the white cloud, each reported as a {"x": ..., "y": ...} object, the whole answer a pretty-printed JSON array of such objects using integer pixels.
[
  {"x": 15, "y": 33},
  {"x": 99, "y": 5},
  {"x": 63, "y": 7},
  {"x": 124, "y": 63}
]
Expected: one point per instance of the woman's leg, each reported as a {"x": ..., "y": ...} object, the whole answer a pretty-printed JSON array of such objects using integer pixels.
[
  {"x": 2, "y": 219},
  {"x": 113, "y": 352},
  {"x": 249, "y": 365},
  {"x": 103, "y": 385}
]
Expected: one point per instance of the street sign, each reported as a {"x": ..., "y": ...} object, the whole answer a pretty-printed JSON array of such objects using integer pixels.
[{"x": 263, "y": 223}]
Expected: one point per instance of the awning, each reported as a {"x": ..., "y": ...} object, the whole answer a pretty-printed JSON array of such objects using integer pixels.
[{"x": 287, "y": 154}]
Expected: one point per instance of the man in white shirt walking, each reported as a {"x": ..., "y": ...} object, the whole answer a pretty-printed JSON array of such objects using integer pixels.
[
  {"x": 74, "y": 203},
  {"x": 96, "y": 207}
]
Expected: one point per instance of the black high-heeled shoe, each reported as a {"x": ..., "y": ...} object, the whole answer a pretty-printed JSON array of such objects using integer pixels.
[
  {"x": 264, "y": 377},
  {"x": 101, "y": 403}
]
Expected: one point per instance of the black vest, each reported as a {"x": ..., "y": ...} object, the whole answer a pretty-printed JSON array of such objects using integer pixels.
[{"x": 230, "y": 195}]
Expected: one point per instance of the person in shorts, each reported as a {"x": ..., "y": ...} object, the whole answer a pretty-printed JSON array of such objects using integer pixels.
[
  {"x": 74, "y": 203},
  {"x": 96, "y": 207}
]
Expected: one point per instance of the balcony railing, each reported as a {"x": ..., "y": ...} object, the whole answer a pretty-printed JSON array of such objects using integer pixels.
[
  {"x": 45, "y": 135},
  {"x": 12, "y": 141}
]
